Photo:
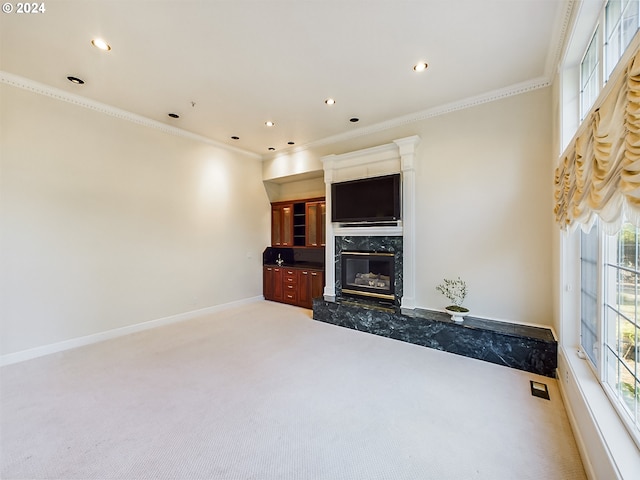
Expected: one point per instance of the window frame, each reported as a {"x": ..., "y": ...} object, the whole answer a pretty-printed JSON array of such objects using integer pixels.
[
  {"x": 595, "y": 73},
  {"x": 606, "y": 289}
]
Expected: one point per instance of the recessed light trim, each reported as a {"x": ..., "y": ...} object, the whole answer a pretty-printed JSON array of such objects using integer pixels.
[
  {"x": 271, "y": 149},
  {"x": 76, "y": 80},
  {"x": 101, "y": 44},
  {"x": 270, "y": 124},
  {"x": 354, "y": 119},
  {"x": 330, "y": 101},
  {"x": 291, "y": 143},
  {"x": 420, "y": 66},
  {"x": 173, "y": 115},
  {"x": 235, "y": 137}
]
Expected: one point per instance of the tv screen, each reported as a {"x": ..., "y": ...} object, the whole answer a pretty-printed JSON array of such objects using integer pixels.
[{"x": 374, "y": 199}]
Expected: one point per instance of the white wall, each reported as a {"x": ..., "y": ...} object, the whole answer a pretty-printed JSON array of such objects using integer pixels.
[
  {"x": 105, "y": 223},
  {"x": 484, "y": 207}
]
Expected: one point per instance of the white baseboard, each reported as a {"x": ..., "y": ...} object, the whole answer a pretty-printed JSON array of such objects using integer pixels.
[{"x": 31, "y": 353}]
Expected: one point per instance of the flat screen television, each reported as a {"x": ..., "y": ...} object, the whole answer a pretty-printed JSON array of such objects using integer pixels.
[{"x": 375, "y": 199}]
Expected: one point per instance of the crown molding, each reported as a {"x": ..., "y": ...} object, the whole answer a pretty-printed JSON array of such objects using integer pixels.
[
  {"x": 512, "y": 90},
  {"x": 561, "y": 34},
  {"x": 80, "y": 101},
  {"x": 561, "y": 31}
]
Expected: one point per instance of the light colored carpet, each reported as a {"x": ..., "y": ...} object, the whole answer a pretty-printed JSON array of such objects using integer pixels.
[{"x": 262, "y": 391}]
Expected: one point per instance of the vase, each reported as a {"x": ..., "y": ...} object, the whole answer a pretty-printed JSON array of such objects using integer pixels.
[{"x": 457, "y": 316}]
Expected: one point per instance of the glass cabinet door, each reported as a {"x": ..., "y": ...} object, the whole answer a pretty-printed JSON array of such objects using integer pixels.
[
  {"x": 276, "y": 227},
  {"x": 316, "y": 215},
  {"x": 287, "y": 225}
]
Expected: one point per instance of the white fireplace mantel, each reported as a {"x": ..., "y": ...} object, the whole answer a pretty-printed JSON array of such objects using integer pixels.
[{"x": 396, "y": 157}]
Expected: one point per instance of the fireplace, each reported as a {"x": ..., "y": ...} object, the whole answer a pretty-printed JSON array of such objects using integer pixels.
[{"x": 368, "y": 275}]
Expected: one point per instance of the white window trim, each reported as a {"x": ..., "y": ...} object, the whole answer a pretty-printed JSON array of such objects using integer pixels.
[
  {"x": 606, "y": 248},
  {"x": 606, "y": 446}
]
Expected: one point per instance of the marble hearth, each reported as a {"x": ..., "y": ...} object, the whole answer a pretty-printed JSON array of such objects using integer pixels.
[{"x": 523, "y": 347}]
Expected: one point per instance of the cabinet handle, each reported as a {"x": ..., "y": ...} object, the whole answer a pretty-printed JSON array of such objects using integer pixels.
[
  {"x": 289, "y": 286},
  {"x": 305, "y": 273},
  {"x": 315, "y": 274}
]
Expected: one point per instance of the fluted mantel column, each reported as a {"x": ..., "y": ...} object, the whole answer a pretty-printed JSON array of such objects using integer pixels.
[
  {"x": 407, "y": 148},
  {"x": 330, "y": 243}
]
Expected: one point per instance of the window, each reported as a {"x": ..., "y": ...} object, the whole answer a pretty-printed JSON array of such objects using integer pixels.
[
  {"x": 589, "y": 84},
  {"x": 610, "y": 316},
  {"x": 621, "y": 319},
  {"x": 621, "y": 20},
  {"x": 589, "y": 318},
  {"x": 621, "y": 23}
]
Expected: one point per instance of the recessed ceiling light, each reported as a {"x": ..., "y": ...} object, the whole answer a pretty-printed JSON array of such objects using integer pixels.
[
  {"x": 354, "y": 119},
  {"x": 330, "y": 101},
  {"x": 235, "y": 138},
  {"x": 420, "y": 67},
  {"x": 76, "y": 80},
  {"x": 173, "y": 115},
  {"x": 101, "y": 44},
  {"x": 269, "y": 124},
  {"x": 271, "y": 149},
  {"x": 291, "y": 143}
]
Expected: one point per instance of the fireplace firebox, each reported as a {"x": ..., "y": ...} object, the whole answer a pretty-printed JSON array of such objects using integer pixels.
[{"x": 368, "y": 275}]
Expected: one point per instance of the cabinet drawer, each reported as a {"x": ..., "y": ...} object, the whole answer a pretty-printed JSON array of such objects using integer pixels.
[
  {"x": 292, "y": 279},
  {"x": 291, "y": 296}
]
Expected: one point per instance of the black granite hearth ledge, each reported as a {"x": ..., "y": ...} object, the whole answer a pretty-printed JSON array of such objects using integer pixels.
[
  {"x": 514, "y": 329},
  {"x": 532, "y": 349}
]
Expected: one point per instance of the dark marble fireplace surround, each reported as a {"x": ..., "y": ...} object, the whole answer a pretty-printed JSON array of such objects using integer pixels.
[
  {"x": 524, "y": 347},
  {"x": 380, "y": 244}
]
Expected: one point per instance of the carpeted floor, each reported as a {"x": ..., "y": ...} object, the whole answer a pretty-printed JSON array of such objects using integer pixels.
[{"x": 262, "y": 391}]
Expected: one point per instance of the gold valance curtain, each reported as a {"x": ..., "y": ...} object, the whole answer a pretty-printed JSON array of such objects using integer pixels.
[{"x": 599, "y": 173}]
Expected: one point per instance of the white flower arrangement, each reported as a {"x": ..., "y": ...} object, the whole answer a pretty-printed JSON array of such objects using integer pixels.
[{"x": 454, "y": 290}]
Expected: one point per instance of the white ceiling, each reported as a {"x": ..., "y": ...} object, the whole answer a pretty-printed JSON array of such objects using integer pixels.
[{"x": 244, "y": 62}]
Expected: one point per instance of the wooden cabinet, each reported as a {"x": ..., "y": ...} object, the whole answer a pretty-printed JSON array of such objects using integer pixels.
[
  {"x": 316, "y": 214},
  {"x": 293, "y": 285},
  {"x": 272, "y": 283},
  {"x": 317, "y": 284},
  {"x": 299, "y": 223},
  {"x": 282, "y": 225},
  {"x": 304, "y": 291},
  {"x": 290, "y": 286}
]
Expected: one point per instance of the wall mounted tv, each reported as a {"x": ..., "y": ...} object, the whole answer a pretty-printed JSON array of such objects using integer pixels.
[{"x": 375, "y": 199}]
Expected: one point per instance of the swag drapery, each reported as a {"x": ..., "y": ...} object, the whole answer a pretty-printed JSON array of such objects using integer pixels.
[{"x": 599, "y": 173}]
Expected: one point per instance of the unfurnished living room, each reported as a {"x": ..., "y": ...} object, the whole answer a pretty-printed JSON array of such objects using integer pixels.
[{"x": 300, "y": 239}]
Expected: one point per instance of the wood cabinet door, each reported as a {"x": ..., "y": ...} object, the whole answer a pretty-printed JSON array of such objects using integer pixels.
[
  {"x": 267, "y": 283},
  {"x": 322, "y": 225},
  {"x": 304, "y": 288},
  {"x": 316, "y": 230},
  {"x": 281, "y": 225},
  {"x": 317, "y": 284},
  {"x": 276, "y": 226},
  {"x": 278, "y": 287},
  {"x": 287, "y": 226}
]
